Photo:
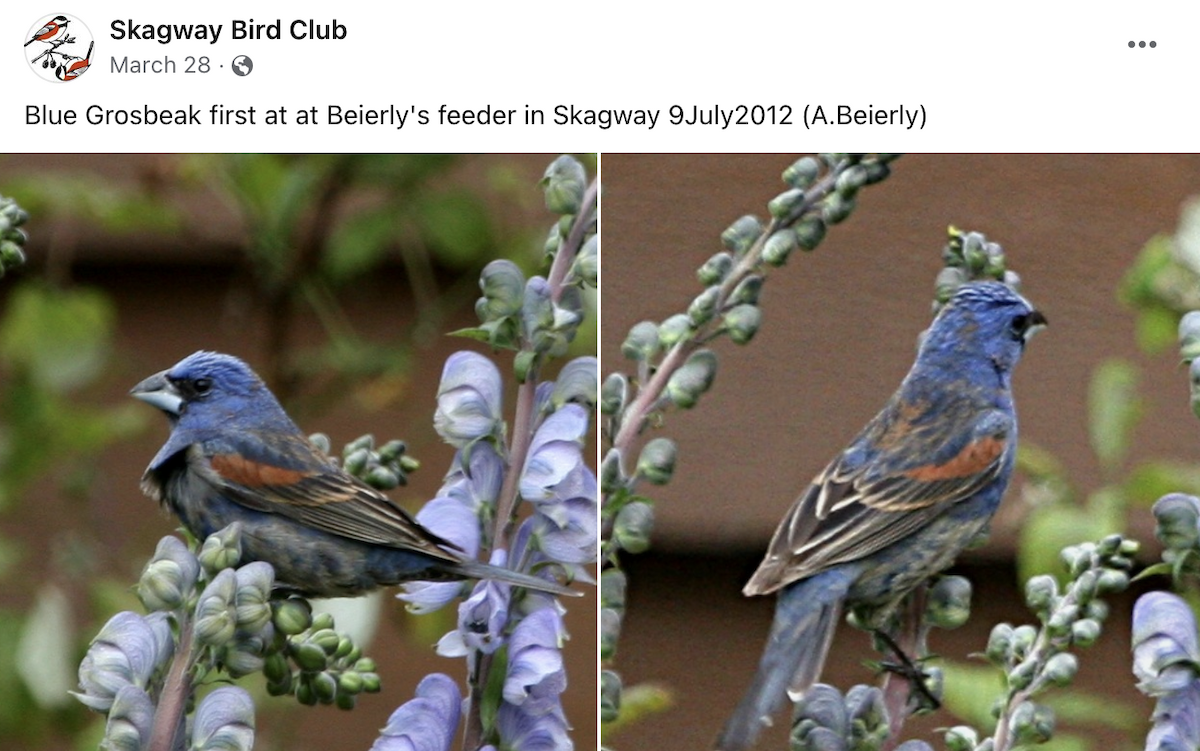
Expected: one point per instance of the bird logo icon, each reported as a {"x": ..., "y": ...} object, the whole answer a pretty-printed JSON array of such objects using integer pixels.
[{"x": 59, "y": 48}]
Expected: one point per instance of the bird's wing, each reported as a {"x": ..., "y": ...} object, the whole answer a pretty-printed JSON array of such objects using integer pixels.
[
  {"x": 858, "y": 506},
  {"x": 289, "y": 477}
]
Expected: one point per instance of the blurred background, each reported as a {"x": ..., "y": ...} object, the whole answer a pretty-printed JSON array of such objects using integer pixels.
[
  {"x": 1106, "y": 250},
  {"x": 335, "y": 277}
]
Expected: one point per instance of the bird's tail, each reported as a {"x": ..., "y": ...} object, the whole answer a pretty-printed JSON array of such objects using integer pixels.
[
  {"x": 806, "y": 616},
  {"x": 478, "y": 570}
]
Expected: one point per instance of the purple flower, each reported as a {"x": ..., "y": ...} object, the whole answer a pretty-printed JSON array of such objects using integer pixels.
[
  {"x": 536, "y": 676},
  {"x": 427, "y": 722},
  {"x": 555, "y": 454},
  {"x": 126, "y": 652},
  {"x": 481, "y": 618},
  {"x": 130, "y": 720},
  {"x": 467, "y": 496},
  {"x": 1165, "y": 660},
  {"x": 224, "y": 721},
  {"x": 469, "y": 399},
  {"x": 1165, "y": 649},
  {"x": 521, "y": 731}
]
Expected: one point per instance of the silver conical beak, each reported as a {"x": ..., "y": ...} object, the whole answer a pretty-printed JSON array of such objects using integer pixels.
[{"x": 159, "y": 392}]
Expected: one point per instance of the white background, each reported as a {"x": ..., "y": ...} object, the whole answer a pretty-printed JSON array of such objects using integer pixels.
[{"x": 1012, "y": 76}]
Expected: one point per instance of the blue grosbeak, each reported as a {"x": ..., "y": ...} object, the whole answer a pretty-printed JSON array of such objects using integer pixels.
[
  {"x": 910, "y": 492},
  {"x": 235, "y": 456}
]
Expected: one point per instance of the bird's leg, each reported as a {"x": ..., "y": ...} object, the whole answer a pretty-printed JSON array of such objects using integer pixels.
[{"x": 907, "y": 668}]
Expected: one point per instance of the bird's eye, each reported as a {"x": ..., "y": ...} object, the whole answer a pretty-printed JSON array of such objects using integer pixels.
[
  {"x": 202, "y": 386},
  {"x": 1020, "y": 324}
]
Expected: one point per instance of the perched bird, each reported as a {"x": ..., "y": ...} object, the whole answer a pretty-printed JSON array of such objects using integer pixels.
[
  {"x": 234, "y": 455},
  {"x": 51, "y": 31},
  {"x": 921, "y": 480}
]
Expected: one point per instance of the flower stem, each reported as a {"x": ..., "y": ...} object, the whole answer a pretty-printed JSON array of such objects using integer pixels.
[{"x": 167, "y": 732}]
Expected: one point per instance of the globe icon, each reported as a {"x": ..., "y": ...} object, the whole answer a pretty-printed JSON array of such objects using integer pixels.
[{"x": 242, "y": 65}]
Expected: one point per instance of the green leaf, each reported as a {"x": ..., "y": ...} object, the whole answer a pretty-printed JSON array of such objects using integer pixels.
[
  {"x": 359, "y": 243},
  {"x": 1114, "y": 408},
  {"x": 1080, "y": 707},
  {"x": 456, "y": 227},
  {"x": 45, "y": 648},
  {"x": 1156, "y": 328},
  {"x": 1150, "y": 481}
]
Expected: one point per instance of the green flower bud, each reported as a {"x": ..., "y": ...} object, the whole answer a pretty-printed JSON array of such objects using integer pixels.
[
  {"x": 675, "y": 329},
  {"x": 613, "y": 394},
  {"x": 1061, "y": 668},
  {"x": 370, "y": 683},
  {"x": 877, "y": 172},
  {"x": 810, "y": 231},
  {"x": 692, "y": 379},
  {"x": 253, "y": 599},
  {"x": 715, "y": 269},
  {"x": 362, "y": 442},
  {"x": 948, "y": 602},
  {"x": 1060, "y": 621},
  {"x": 1097, "y": 610},
  {"x": 961, "y": 738},
  {"x": 779, "y": 246},
  {"x": 610, "y": 632},
  {"x": 1085, "y": 586},
  {"x": 564, "y": 183},
  {"x": 1023, "y": 639},
  {"x": 1077, "y": 559},
  {"x": 851, "y": 180},
  {"x": 1109, "y": 546},
  {"x": 1000, "y": 643},
  {"x": 740, "y": 235},
  {"x": 586, "y": 267},
  {"x": 322, "y": 621},
  {"x": 365, "y": 665},
  {"x": 503, "y": 286},
  {"x": 947, "y": 283},
  {"x": 281, "y": 686},
  {"x": 291, "y": 616},
  {"x": 305, "y": 694},
  {"x": 321, "y": 442},
  {"x": 610, "y": 695},
  {"x": 222, "y": 550},
  {"x": 1189, "y": 336},
  {"x": 802, "y": 173},
  {"x": 742, "y": 322},
  {"x": 1178, "y": 521},
  {"x": 382, "y": 478},
  {"x": 325, "y": 687},
  {"x": 1031, "y": 723},
  {"x": 216, "y": 614},
  {"x": 275, "y": 667},
  {"x": 356, "y": 462},
  {"x": 327, "y": 639},
  {"x": 657, "y": 461},
  {"x": 409, "y": 465},
  {"x": 641, "y": 342},
  {"x": 747, "y": 291},
  {"x": 169, "y": 577},
  {"x": 309, "y": 657},
  {"x": 1040, "y": 592},
  {"x": 241, "y": 662},
  {"x": 11, "y": 255},
  {"x": 611, "y": 476},
  {"x": 1112, "y": 582},
  {"x": 703, "y": 307},
  {"x": 1022, "y": 675},
  {"x": 392, "y": 450},
  {"x": 350, "y": 682},
  {"x": 632, "y": 528},
  {"x": 836, "y": 208},
  {"x": 786, "y": 203},
  {"x": 345, "y": 701},
  {"x": 344, "y": 647},
  {"x": 612, "y": 589},
  {"x": 1085, "y": 632}
]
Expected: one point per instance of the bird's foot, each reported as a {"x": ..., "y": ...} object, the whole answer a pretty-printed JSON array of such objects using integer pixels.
[{"x": 907, "y": 668}]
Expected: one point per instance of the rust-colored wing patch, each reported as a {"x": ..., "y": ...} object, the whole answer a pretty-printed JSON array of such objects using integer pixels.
[
  {"x": 252, "y": 474},
  {"x": 973, "y": 459}
]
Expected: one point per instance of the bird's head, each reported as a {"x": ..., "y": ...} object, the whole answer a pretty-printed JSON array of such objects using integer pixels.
[
  {"x": 209, "y": 386},
  {"x": 989, "y": 320}
]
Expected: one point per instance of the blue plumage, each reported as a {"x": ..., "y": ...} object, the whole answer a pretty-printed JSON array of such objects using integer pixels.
[
  {"x": 234, "y": 455},
  {"x": 921, "y": 481}
]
